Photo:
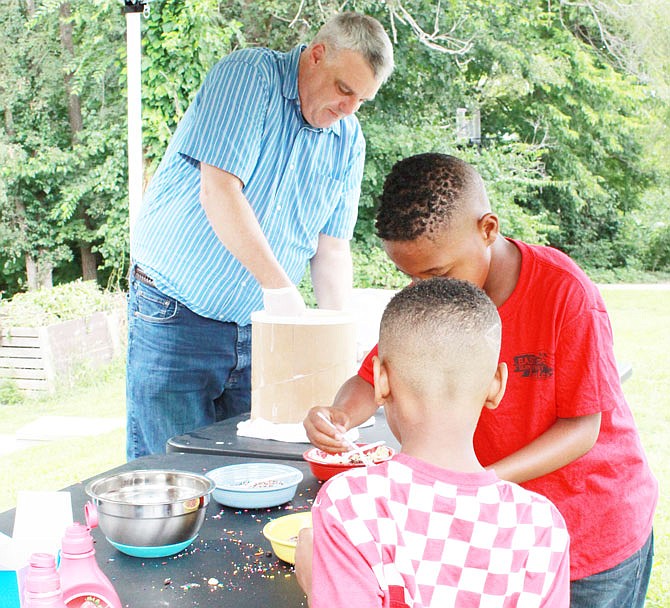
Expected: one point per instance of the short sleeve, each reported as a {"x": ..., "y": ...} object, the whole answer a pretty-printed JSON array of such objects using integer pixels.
[
  {"x": 559, "y": 594},
  {"x": 365, "y": 370},
  {"x": 341, "y": 576},
  {"x": 587, "y": 379},
  {"x": 227, "y": 118}
]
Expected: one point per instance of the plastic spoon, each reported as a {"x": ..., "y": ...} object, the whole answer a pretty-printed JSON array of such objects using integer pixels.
[
  {"x": 353, "y": 447},
  {"x": 366, "y": 448}
]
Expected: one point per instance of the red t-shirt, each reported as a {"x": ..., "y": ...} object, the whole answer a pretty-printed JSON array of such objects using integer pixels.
[{"x": 557, "y": 343}]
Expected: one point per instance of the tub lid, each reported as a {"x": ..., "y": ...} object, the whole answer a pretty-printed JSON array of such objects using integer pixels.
[{"x": 312, "y": 316}]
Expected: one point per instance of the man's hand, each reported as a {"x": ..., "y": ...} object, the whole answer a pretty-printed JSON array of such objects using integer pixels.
[
  {"x": 321, "y": 434},
  {"x": 283, "y": 302},
  {"x": 303, "y": 560}
]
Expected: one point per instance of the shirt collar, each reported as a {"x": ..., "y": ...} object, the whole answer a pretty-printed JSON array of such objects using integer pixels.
[{"x": 290, "y": 85}]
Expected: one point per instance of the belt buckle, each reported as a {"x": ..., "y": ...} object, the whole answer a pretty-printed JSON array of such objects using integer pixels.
[{"x": 143, "y": 277}]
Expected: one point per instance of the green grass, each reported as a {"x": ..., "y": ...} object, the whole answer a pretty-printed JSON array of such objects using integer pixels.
[
  {"x": 641, "y": 322},
  {"x": 54, "y": 465}
]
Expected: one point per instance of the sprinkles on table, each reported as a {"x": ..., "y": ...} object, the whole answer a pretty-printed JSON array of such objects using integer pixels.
[{"x": 254, "y": 559}]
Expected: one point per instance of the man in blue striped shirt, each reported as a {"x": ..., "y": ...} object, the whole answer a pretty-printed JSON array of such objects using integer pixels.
[{"x": 262, "y": 176}]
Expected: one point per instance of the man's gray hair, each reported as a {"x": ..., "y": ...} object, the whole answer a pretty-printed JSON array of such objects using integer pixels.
[{"x": 363, "y": 34}]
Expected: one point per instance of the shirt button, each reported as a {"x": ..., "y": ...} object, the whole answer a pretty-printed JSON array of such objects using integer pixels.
[
  {"x": 278, "y": 207},
  {"x": 291, "y": 166}
]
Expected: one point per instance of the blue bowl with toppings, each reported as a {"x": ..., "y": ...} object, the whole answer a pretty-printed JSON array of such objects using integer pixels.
[{"x": 255, "y": 485}]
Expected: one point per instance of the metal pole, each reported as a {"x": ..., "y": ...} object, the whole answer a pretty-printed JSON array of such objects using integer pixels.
[{"x": 135, "y": 156}]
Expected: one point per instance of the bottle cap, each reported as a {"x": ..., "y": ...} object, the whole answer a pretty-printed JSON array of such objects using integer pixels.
[
  {"x": 77, "y": 539},
  {"x": 42, "y": 576},
  {"x": 43, "y": 560}
]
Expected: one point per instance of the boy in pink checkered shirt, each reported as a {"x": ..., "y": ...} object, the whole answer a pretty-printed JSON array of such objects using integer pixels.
[{"x": 432, "y": 527}]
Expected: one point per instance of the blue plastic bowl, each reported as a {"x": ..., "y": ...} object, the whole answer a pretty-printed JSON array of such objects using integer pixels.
[
  {"x": 235, "y": 484},
  {"x": 162, "y": 551}
]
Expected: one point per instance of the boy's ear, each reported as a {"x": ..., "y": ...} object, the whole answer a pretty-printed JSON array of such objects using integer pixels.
[
  {"x": 381, "y": 379},
  {"x": 497, "y": 387},
  {"x": 489, "y": 227}
]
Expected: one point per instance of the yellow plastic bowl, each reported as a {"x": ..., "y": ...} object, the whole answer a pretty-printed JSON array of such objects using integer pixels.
[{"x": 283, "y": 533}]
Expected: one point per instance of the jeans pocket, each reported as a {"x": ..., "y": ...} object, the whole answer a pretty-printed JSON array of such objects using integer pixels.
[{"x": 153, "y": 306}]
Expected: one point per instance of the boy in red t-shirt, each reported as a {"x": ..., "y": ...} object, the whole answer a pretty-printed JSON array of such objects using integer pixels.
[
  {"x": 563, "y": 428},
  {"x": 431, "y": 526}
]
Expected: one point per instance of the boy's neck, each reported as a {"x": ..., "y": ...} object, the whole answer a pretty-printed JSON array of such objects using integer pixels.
[
  {"x": 443, "y": 444},
  {"x": 504, "y": 270}
]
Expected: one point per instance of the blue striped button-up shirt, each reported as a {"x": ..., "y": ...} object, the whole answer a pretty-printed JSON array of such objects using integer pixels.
[{"x": 300, "y": 181}]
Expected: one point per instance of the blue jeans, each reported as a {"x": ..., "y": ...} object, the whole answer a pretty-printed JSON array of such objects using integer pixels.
[
  {"x": 184, "y": 371},
  {"x": 623, "y": 586}
]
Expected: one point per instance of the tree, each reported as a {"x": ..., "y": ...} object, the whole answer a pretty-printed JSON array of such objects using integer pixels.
[
  {"x": 181, "y": 42},
  {"x": 573, "y": 98},
  {"x": 65, "y": 166}
]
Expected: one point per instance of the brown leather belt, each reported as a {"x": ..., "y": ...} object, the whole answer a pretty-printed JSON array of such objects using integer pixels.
[{"x": 143, "y": 277}]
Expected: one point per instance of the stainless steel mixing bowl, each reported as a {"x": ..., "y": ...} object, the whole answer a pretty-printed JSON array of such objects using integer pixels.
[{"x": 151, "y": 508}]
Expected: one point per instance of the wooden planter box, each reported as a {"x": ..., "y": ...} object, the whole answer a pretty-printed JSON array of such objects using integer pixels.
[{"x": 36, "y": 358}]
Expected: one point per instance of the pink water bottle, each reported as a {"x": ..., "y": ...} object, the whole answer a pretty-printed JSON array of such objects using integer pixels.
[
  {"x": 42, "y": 584},
  {"x": 83, "y": 583}
]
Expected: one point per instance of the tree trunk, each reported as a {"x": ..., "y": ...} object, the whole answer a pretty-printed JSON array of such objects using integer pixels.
[
  {"x": 39, "y": 274},
  {"x": 31, "y": 272},
  {"x": 89, "y": 264},
  {"x": 9, "y": 122},
  {"x": 88, "y": 259},
  {"x": 39, "y": 269},
  {"x": 73, "y": 102}
]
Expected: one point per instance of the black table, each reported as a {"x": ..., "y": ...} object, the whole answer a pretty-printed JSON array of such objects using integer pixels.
[
  {"x": 221, "y": 438},
  {"x": 230, "y": 548}
]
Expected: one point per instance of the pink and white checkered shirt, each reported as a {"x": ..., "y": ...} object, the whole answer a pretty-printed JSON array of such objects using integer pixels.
[{"x": 408, "y": 533}]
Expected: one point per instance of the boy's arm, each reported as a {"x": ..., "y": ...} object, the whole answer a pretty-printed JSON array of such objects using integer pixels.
[
  {"x": 303, "y": 561},
  {"x": 566, "y": 440},
  {"x": 353, "y": 405}
]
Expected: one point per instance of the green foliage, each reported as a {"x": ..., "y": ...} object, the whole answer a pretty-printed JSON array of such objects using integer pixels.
[
  {"x": 657, "y": 255},
  {"x": 10, "y": 394},
  {"x": 574, "y": 113},
  {"x": 373, "y": 268},
  {"x": 181, "y": 42},
  {"x": 62, "y": 303},
  {"x": 60, "y": 184}
]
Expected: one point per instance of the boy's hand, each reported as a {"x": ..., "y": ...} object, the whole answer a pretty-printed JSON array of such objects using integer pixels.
[
  {"x": 323, "y": 435},
  {"x": 303, "y": 560}
]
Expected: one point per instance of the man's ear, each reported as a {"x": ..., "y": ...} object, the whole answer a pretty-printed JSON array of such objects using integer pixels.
[
  {"x": 317, "y": 53},
  {"x": 381, "y": 379},
  {"x": 489, "y": 227},
  {"x": 497, "y": 387}
]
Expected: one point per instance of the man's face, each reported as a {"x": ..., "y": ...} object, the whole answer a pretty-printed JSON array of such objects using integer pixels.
[
  {"x": 462, "y": 252},
  {"x": 333, "y": 85}
]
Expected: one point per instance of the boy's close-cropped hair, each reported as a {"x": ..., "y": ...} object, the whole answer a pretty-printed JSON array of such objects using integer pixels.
[
  {"x": 423, "y": 193},
  {"x": 441, "y": 330}
]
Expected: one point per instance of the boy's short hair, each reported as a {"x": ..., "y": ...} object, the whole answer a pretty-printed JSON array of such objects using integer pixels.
[
  {"x": 422, "y": 194},
  {"x": 362, "y": 34},
  {"x": 441, "y": 330}
]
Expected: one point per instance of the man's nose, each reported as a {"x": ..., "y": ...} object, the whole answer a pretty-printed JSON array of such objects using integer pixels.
[{"x": 349, "y": 105}]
